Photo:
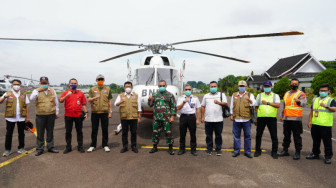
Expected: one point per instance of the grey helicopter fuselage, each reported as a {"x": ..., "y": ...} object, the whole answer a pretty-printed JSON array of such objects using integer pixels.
[{"x": 146, "y": 78}]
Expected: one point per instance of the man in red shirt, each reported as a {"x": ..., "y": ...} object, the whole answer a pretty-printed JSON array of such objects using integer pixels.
[{"x": 75, "y": 102}]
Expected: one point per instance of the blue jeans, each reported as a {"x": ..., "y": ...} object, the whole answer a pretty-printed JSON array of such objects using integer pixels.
[
  {"x": 216, "y": 127},
  {"x": 236, "y": 131}
]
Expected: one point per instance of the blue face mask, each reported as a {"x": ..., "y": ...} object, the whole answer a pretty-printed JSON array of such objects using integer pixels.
[
  {"x": 213, "y": 90},
  {"x": 44, "y": 86},
  {"x": 162, "y": 89},
  {"x": 267, "y": 89},
  {"x": 187, "y": 93},
  {"x": 73, "y": 86},
  {"x": 242, "y": 89},
  {"x": 323, "y": 94}
]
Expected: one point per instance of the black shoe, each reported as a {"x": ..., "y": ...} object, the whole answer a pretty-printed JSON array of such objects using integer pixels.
[
  {"x": 67, "y": 150},
  {"x": 38, "y": 152},
  {"x": 53, "y": 150},
  {"x": 274, "y": 155},
  {"x": 234, "y": 154},
  {"x": 81, "y": 150},
  {"x": 312, "y": 156},
  {"x": 135, "y": 150},
  {"x": 194, "y": 152},
  {"x": 154, "y": 149},
  {"x": 257, "y": 153},
  {"x": 208, "y": 152},
  {"x": 181, "y": 152},
  {"x": 296, "y": 156},
  {"x": 123, "y": 150},
  {"x": 283, "y": 153},
  {"x": 219, "y": 153},
  {"x": 170, "y": 150},
  {"x": 248, "y": 155},
  {"x": 327, "y": 161}
]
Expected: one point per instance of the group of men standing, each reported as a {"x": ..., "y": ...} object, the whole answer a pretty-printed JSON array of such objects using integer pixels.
[{"x": 210, "y": 111}]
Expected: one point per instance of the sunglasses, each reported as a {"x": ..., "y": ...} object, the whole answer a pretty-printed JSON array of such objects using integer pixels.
[
  {"x": 188, "y": 89},
  {"x": 162, "y": 85},
  {"x": 100, "y": 79},
  {"x": 323, "y": 90}
]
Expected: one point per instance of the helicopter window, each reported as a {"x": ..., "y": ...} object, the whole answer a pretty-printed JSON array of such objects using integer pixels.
[
  {"x": 147, "y": 61},
  {"x": 165, "y": 61},
  {"x": 169, "y": 75},
  {"x": 144, "y": 76}
]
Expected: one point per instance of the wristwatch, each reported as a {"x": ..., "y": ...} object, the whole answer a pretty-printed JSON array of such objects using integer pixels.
[
  {"x": 111, "y": 111},
  {"x": 268, "y": 103}
]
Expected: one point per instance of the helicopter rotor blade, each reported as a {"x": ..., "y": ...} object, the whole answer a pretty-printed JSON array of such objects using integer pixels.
[
  {"x": 205, "y": 53},
  {"x": 77, "y": 41},
  {"x": 122, "y": 55},
  {"x": 242, "y": 36}
]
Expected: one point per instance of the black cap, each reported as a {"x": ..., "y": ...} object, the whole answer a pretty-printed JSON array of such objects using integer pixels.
[{"x": 44, "y": 78}]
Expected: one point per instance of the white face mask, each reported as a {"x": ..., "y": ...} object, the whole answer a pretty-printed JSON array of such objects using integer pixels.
[
  {"x": 16, "y": 87},
  {"x": 128, "y": 90}
]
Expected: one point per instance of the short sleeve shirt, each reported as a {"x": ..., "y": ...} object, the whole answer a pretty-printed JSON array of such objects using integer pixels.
[
  {"x": 73, "y": 103},
  {"x": 213, "y": 112},
  {"x": 190, "y": 106}
]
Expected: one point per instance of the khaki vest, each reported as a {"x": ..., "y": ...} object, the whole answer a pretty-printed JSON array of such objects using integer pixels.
[
  {"x": 11, "y": 105},
  {"x": 241, "y": 108},
  {"x": 100, "y": 105},
  {"x": 45, "y": 104},
  {"x": 129, "y": 108}
]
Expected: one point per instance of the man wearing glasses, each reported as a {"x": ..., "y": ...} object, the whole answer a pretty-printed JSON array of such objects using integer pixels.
[
  {"x": 321, "y": 121},
  {"x": 100, "y": 98},
  {"x": 190, "y": 111},
  {"x": 164, "y": 113}
]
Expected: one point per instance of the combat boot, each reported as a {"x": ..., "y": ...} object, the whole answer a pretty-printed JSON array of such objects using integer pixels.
[
  {"x": 296, "y": 155},
  {"x": 283, "y": 153},
  {"x": 170, "y": 150},
  {"x": 154, "y": 149}
]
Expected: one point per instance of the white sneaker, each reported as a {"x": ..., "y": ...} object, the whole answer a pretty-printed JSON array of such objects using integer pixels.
[
  {"x": 91, "y": 149},
  {"x": 107, "y": 149},
  {"x": 7, "y": 153},
  {"x": 22, "y": 151}
]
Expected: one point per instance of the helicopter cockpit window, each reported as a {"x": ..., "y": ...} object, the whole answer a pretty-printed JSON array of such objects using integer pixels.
[
  {"x": 144, "y": 76},
  {"x": 147, "y": 61},
  {"x": 169, "y": 75},
  {"x": 165, "y": 61}
]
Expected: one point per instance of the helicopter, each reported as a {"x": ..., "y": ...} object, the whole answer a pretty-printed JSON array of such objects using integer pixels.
[
  {"x": 158, "y": 67},
  {"x": 6, "y": 85}
]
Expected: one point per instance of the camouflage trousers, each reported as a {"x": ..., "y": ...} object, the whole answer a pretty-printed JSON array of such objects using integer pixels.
[{"x": 157, "y": 129}]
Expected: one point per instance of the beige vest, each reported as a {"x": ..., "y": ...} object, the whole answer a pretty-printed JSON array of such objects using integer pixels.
[
  {"x": 11, "y": 105},
  {"x": 100, "y": 105},
  {"x": 241, "y": 108},
  {"x": 45, "y": 104},
  {"x": 129, "y": 108}
]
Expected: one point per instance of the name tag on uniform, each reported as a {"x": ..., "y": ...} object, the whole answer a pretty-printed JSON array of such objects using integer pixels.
[
  {"x": 78, "y": 102},
  {"x": 133, "y": 98},
  {"x": 95, "y": 91},
  {"x": 236, "y": 98},
  {"x": 104, "y": 92},
  {"x": 23, "y": 96},
  {"x": 10, "y": 97}
]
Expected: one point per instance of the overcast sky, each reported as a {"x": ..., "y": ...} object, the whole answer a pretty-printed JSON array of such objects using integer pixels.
[{"x": 149, "y": 21}]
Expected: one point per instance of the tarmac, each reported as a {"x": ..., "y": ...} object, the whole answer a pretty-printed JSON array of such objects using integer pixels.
[{"x": 115, "y": 169}]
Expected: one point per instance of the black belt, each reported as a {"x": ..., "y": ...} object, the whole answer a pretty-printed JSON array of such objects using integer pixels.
[{"x": 188, "y": 115}]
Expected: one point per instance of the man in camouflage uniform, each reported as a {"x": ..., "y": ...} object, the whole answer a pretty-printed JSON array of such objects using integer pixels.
[{"x": 164, "y": 113}]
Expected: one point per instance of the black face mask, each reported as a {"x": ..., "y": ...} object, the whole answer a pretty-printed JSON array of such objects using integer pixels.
[{"x": 294, "y": 87}]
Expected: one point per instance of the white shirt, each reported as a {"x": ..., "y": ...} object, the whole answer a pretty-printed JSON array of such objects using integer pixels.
[
  {"x": 231, "y": 106},
  {"x": 128, "y": 96},
  {"x": 213, "y": 112},
  {"x": 189, "y": 107},
  {"x": 35, "y": 93},
  {"x": 18, "y": 117}
]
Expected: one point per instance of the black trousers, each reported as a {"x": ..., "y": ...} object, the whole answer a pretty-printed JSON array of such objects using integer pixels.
[
  {"x": 9, "y": 134},
  {"x": 188, "y": 122},
  {"x": 68, "y": 129},
  {"x": 45, "y": 122},
  {"x": 322, "y": 133},
  {"x": 271, "y": 123},
  {"x": 296, "y": 128},
  {"x": 216, "y": 127},
  {"x": 104, "y": 121},
  {"x": 132, "y": 126}
]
